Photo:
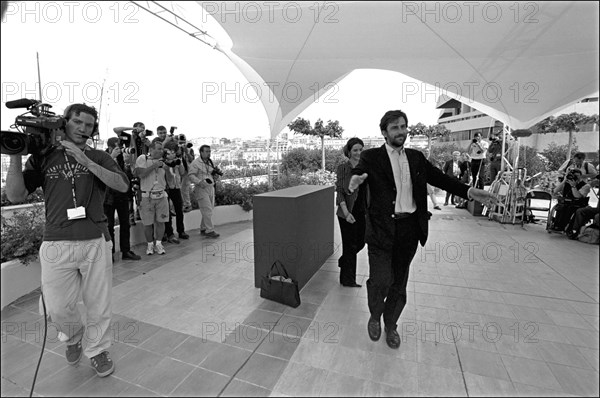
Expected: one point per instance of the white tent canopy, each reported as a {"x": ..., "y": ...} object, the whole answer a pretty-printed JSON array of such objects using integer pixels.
[{"x": 517, "y": 62}]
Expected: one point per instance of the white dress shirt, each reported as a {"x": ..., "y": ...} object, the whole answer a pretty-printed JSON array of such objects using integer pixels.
[{"x": 405, "y": 203}]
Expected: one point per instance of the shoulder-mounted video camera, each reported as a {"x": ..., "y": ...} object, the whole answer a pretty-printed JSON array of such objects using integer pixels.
[{"x": 39, "y": 129}]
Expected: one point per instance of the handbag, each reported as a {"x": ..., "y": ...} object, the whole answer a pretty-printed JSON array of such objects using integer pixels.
[{"x": 279, "y": 286}]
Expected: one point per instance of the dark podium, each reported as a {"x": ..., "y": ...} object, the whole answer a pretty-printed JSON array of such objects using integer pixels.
[{"x": 295, "y": 226}]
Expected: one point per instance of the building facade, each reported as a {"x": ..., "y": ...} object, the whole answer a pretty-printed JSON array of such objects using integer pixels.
[{"x": 464, "y": 122}]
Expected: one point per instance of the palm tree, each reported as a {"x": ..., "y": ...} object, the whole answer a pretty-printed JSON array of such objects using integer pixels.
[
  {"x": 431, "y": 132},
  {"x": 570, "y": 122},
  {"x": 303, "y": 126}
]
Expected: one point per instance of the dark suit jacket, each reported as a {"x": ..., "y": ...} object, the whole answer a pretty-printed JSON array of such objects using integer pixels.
[
  {"x": 380, "y": 208},
  {"x": 448, "y": 168}
]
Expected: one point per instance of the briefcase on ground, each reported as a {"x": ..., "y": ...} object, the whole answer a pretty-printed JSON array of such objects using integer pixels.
[{"x": 279, "y": 287}]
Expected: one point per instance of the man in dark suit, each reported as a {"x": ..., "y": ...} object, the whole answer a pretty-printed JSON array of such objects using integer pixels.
[
  {"x": 397, "y": 218},
  {"x": 452, "y": 169}
]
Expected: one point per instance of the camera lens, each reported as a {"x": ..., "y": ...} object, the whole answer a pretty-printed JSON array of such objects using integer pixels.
[{"x": 13, "y": 143}]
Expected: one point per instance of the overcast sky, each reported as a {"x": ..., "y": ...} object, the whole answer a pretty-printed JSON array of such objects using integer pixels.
[{"x": 155, "y": 73}]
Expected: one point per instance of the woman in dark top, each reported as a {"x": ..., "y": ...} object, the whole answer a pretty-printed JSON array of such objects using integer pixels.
[{"x": 351, "y": 214}]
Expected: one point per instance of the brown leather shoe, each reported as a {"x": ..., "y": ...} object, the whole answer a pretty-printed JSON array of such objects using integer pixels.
[
  {"x": 392, "y": 338},
  {"x": 374, "y": 328}
]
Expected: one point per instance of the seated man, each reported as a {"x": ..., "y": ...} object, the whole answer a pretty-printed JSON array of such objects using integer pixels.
[
  {"x": 574, "y": 190},
  {"x": 583, "y": 215}
]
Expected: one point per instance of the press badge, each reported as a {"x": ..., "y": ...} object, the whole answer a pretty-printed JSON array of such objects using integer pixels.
[{"x": 76, "y": 213}]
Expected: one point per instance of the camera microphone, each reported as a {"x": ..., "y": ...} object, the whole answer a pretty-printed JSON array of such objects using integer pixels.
[{"x": 21, "y": 103}]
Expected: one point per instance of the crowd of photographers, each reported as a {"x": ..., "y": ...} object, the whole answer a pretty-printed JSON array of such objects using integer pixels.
[{"x": 161, "y": 172}]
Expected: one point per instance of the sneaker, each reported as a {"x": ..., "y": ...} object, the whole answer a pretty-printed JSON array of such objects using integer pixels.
[
  {"x": 202, "y": 232},
  {"x": 102, "y": 364},
  {"x": 74, "y": 353},
  {"x": 172, "y": 239},
  {"x": 212, "y": 234},
  {"x": 160, "y": 249},
  {"x": 131, "y": 256},
  {"x": 437, "y": 207},
  {"x": 184, "y": 236},
  {"x": 150, "y": 249}
]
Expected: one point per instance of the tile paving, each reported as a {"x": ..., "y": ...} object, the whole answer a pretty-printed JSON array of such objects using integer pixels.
[{"x": 492, "y": 310}]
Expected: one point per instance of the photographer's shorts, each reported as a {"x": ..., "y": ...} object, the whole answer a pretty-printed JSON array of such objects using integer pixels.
[{"x": 154, "y": 210}]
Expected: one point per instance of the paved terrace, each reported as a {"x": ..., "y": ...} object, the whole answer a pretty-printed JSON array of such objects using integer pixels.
[{"x": 492, "y": 310}]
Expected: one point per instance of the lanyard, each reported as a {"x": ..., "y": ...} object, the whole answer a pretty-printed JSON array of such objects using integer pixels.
[{"x": 72, "y": 173}]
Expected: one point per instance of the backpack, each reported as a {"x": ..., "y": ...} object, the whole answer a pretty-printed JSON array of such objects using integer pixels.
[{"x": 590, "y": 234}]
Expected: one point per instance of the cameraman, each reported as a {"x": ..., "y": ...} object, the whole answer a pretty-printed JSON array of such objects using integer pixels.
[
  {"x": 187, "y": 156},
  {"x": 574, "y": 191},
  {"x": 202, "y": 173},
  {"x": 138, "y": 140},
  {"x": 477, "y": 151},
  {"x": 75, "y": 252},
  {"x": 115, "y": 200},
  {"x": 154, "y": 207},
  {"x": 161, "y": 135},
  {"x": 174, "y": 171}
]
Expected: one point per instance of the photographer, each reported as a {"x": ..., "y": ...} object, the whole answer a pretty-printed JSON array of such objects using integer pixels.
[
  {"x": 578, "y": 162},
  {"x": 138, "y": 140},
  {"x": 477, "y": 151},
  {"x": 174, "y": 173},
  {"x": 74, "y": 255},
  {"x": 119, "y": 201},
  {"x": 495, "y": 155},
  {"x": 154, "y": 206},
  {"x": 162, "y": 136},
  {"x": 187, "y": 156},
  {"x": 203, "y": 173},
  {"x": 574, "y": 191}
]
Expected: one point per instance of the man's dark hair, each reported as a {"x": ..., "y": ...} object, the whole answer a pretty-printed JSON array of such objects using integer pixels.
[
  {"x": 76, "y": 109},
  {"x": 161, "y": 128},
  {"x": 350, "y": 144},
  {"x": 203, "y": 147},
  {"x": 112, "y": 142},
  {"x": 138, "y": 124},
  {"x": 153, "y": 144},
  {"x": 389, "y": 117},
  {"x": 579, "y": 155}
]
